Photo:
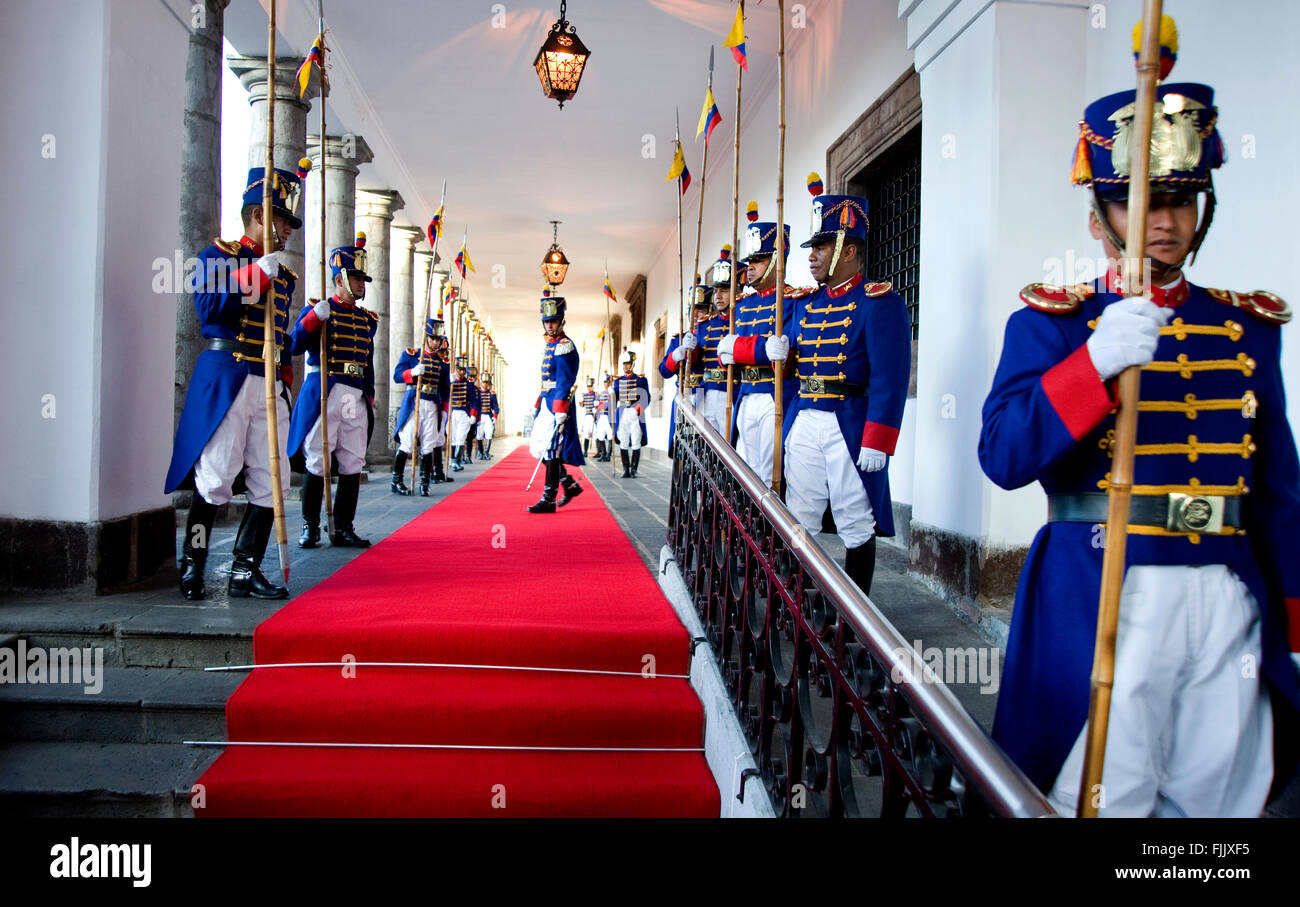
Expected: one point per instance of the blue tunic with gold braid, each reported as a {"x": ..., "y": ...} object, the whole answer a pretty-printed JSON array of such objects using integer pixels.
[
  {"x": 852, "y": 353},
  {"x": 589, "y": 401},
  {"x": 1212, "y": 427},
  {"x": 465, "y": 397},
  {"x": 560, "y": 362},
  {"x": 630, "y": 392},
  {"x": 712, "y": 373},
  {"x": 434, "y": 383},
  {"x": 226, "y": 322},
  {"x": 755, "y": 322},
  {"x": 350, "y": 348}
]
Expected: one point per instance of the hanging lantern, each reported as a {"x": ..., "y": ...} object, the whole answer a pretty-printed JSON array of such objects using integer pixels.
[
  {"x": 560, "y": 61},
  {"x": 554, "y": 264}
]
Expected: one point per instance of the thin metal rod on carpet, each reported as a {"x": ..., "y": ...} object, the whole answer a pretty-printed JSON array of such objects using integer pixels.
[
  {"x": 454, "y": 746},
  {"x": 421, "y": 664}
]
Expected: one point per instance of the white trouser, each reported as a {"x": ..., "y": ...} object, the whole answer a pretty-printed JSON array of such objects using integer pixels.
[
  {"x": 756, "y": 433},
  {"x": 460, "y": 425},
  {"x": 347, "y": 422},
  {"x": 1190, "y": 729},
  {"x": 240, "y": 443},
  {"x": 818, "y": 470},
  {"x": 586, "y": 425},
  {"x": 603, "y": 431},
  {"x": 629, "y": 430},
  {"x": 432, "y": 426},
  {"x": 713, "y": 407},
  {"x": 486, "y": 427}
]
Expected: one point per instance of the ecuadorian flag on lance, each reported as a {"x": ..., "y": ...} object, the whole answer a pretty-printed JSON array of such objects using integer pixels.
[
  {"x": 435, "y": 226},
  {"x": 463, "y": 262},
  {"x": 609, "y": 289},
  {"x": 678, "y": 171},
  {"x": 736, "y": 38},
  {"x": 315, "y": 58},
  {"x": 709, "y": 116}
]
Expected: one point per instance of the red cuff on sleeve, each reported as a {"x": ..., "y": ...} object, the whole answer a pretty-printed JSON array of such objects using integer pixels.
[
  {"x": 538, "y": 404},
  {"x": 743, "y": 351},
  {"x": 473, "y": 414},
  {"x": 251, "y": 280},
  {"x": 560, "y": 406},
  {"x": 286, "y": 374},
  {"x": 883, "y": 438},
  {"x": 1078, "y": 394},
  {"x": 1293, "y": 623},
  {"x": 310, "y": 323}
]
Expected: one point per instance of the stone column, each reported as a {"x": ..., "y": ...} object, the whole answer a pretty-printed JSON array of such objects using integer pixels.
[
  {"x": 290, "y": 147},
  {"x": 375, "y": 210},
  {"x": 200, "y": 177},
  {"x": 401, "y": 300},
  {"x": 422, "y": 262},
  {"x": 344, "y": 154}
]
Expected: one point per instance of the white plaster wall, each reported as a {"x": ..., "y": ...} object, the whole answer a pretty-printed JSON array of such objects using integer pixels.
[{"x": 84, "y": 324}]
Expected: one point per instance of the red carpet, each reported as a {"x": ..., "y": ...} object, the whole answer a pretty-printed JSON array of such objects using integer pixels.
[{"x": 474, "y": 581}]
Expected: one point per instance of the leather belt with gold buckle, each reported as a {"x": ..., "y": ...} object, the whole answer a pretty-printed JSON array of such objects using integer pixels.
[
  {"x": 753, "y": 373},
  {"x": 694, "y": 381},
  {"x": 1176, "y": 512},
  {"x": 823, "y": 386},
  {"x": 242, "y": 348},
  {"x": 548, "y": 385},
  {"x": 715, "y": 374}
]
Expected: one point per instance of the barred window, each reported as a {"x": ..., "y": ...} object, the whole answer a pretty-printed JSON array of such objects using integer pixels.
[{"x": 892, "y": 186}]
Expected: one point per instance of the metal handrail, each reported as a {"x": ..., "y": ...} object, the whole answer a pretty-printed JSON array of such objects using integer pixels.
[{"x": 983, "y": 764}]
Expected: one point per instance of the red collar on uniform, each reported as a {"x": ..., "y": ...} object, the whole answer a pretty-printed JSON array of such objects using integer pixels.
[
  {"x": 763, "y": 294},
  {"x": 1167, "y": 297},
  {"x": 342, "y": 304},
  {"x": 837, "y": 292},
  {"x": 251, "y": 244},
  {"x": 557, "y": 338}
]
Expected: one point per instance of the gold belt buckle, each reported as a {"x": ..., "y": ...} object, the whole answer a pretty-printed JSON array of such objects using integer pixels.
[
  {"x": 548, "y": 385},
  {"x": 352, "y": 368},
  {"x": 816, "y": 385},
  {"x": 715, "y": 374},
  {"x": 1195, "y": 513}
]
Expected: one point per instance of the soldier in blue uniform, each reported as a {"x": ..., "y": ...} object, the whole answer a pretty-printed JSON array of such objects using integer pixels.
[
  {"x": 679, "y": 349},
  {"x": 350, "y": 351},
  {"x": 221, "y": 435},
  {"x": 587, "y": 419},
  {"x": 487, "y": 418},
  {"x": 631, "y": 396},
  {"x": 464, "y": 411},
  {"x": 428, "y": 369},
  {"x": 555, "y": 437},
  {"x": 1212, "y": 586},
  {"x": 755, "y": 413},
  {"x": 711, "y": 399},
  {"x": 604, "y": 430},
  {"x": 852, "y": 353}
]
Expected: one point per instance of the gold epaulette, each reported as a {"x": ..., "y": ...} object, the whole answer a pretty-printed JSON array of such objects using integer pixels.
[
  {"x": 802, "y": 292},
  {"x": 877, "y": 289},
  {"x": 1056, "y": 300},
  {"x": 411, "y": 351},
  {"x": 368, "y": 313},
  {"x": 286, "y": 271},
  {"x": 227, "y": 246},
  {"x": 1260, "y": 303}
]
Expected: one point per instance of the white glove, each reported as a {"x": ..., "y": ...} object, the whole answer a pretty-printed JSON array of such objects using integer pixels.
[
  {"x": 679, "y": 354},
  {"x": 689, "y": 342},
  {"x": 727, "y": 349},
  {"x": 1127, "y": 333},
  {"x": 871, "y": 460},
  {"x": 270, "y": 265},
  {"x": 559, "y": 420},
  {"x": 417, "y": 371},
  {"x": 322, "y": 309},
  {"x": 777, "y": 348}
]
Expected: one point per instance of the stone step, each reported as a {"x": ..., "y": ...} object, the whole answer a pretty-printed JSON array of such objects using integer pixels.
[
  {"x": 132, "y": 705},
  {"x": 100, "y": 780}
]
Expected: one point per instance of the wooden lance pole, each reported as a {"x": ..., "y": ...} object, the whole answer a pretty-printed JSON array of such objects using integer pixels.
[
  {"x": 1121, "y": 482},
  {"x": 428, "y": 303},
  {"x": 699, "y": 219},
  {"x": 778, "y": 367},
  {"x": 269, "y": 348},
  {"x": 684, "y": 370},
  {"x": 735, "y": 240},
  {"x": 325, "y": 294}
]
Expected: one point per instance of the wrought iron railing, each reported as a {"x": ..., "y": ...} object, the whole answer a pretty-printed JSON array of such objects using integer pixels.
[{"x": 842, "y": 715}]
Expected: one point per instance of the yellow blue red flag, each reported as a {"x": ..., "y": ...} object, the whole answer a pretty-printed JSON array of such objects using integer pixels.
[{"x": 736, "y": 38}]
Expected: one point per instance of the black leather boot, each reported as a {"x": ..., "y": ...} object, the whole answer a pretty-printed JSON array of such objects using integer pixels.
[
  {"x": 345, "y": 511},
  {"x": 570, "y": 485},
  {"x": 860, "y": 564},
  {"x": 194, "y": 548},
  {"x": 438, "y": 475},
  {"x": 586, "y": 443},
  {"x": 313, "y": 490},
  {"x": 547, "y": 503},
  {"x": 627, "y": 466},
  {"x": 455, "y": 459},
  {"x": 636, "y": 460},
  {"x": 250, "y": 545},
  {"x": 398, "y": 485},
  {"x": 426, "y": 473},
  {"x": 487, "y": 455}
]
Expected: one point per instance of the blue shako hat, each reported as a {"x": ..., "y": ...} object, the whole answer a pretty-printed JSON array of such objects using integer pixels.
[
  {"x": 286, "y": 190},
  {"x": 760, "y": 236},
  {"x": 835, "y": 217},
  {"x": 552, "y": 307},
  {"x": 434, "y": 327},
  {"x": 350, "y": 259},
  {"x": 701, "y": 295}
]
